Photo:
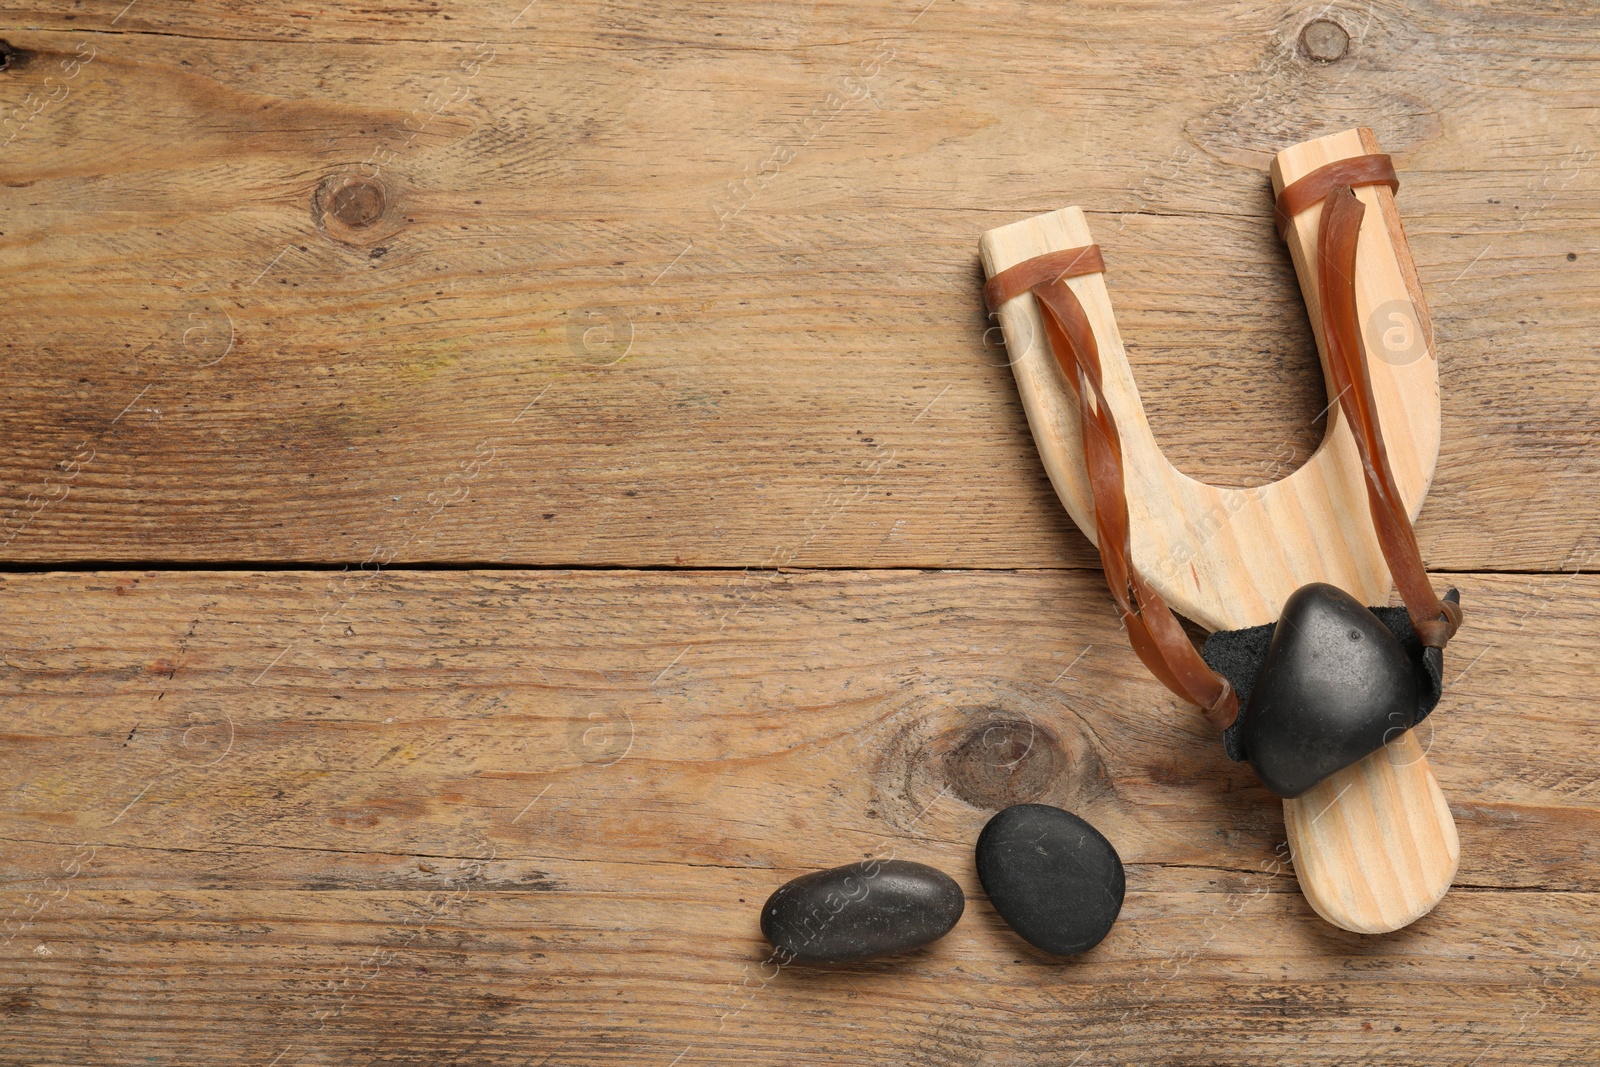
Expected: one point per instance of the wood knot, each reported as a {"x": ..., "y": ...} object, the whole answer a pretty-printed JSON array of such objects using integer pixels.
[
  {"x": 986, "y": 742},
  {"x": 354, "y": 208},
  {"x": 358, "y": 202},
  {"x": 1001, "y": 760},
  {"x": 1324, "y": 40},
  {"x": 12, "y": 58},
  {"x": 18, "y": 1004}
]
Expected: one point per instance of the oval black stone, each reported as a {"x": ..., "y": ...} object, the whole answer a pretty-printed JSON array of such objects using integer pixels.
[
  {"x": 867, "y": 909},
  {"x": 1053, "y": 878},
  {"x": 1336, "y": 686}
]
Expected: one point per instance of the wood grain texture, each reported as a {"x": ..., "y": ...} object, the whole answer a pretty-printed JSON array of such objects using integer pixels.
[
  {"x": 1374, "y": 846},
  {"x": 728, "y": 261},
  {"x": 506, "y": 817},
  {"x": 654, "y": 285}
]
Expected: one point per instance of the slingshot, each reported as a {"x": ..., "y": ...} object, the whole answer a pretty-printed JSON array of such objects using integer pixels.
[{"x": 1374, "y": 845}]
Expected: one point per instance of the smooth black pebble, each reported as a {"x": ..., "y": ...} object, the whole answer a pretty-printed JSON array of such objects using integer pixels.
[
  {"x": 1336, "y": 686},
  {"x": 1053, "y": 878},
  {"x": 857, "y": 912}
]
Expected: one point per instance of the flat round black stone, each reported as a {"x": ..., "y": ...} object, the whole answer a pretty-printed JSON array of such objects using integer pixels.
[
  {"x": 863, "y": 910},
  {"x": 1053, "y": 878},
  {"x": 1336, "y": 686}
]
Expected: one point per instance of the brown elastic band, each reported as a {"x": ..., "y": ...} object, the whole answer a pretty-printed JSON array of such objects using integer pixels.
[
  {"x": 1153, "y": 630},
  {"x": 1313, "y": 188},
  {"x": 1435, "y": 620},
  {"x": 1052, "y": 266}
]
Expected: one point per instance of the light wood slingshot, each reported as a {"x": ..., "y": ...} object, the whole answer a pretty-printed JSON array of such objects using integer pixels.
[{"x": 1374, "y": 846}]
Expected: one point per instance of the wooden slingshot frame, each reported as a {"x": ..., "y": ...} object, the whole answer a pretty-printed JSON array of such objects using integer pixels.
[{"x": 1374, "y": 846}]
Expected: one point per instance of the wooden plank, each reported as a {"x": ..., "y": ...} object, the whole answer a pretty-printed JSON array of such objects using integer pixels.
[
  {"x": 494, "y": 817},
  {"x": 730, "y": 264}
]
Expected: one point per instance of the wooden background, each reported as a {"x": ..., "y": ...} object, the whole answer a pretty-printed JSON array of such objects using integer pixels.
[{"x": 490, "y": 492}]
